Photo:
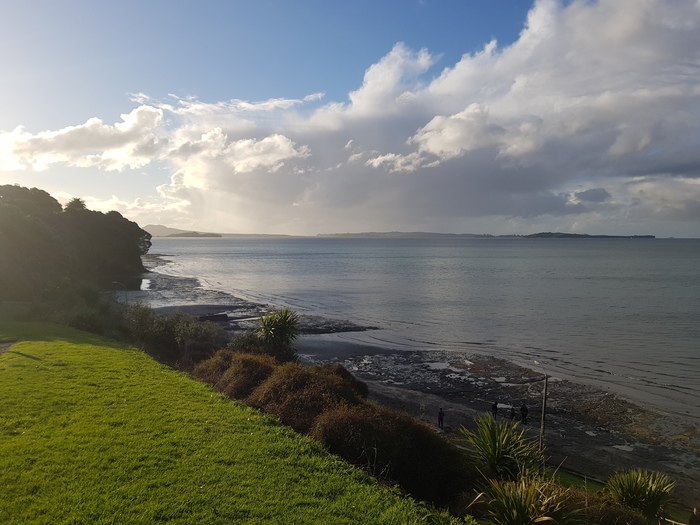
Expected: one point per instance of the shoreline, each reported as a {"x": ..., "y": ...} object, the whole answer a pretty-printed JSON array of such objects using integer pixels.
[{"x": 589, "y": 430}]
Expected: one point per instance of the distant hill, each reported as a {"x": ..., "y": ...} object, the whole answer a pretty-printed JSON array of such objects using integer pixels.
[
  {"x": 559, "y": 235},
  {"x": 403, "y": 235},
  {"x": 157, "y": 230}
]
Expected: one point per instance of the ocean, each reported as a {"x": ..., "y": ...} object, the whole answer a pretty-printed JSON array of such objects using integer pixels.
[{"x": 622, "y": 314}]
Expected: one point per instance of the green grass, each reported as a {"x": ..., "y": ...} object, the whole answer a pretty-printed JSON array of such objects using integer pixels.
[
  {"x": 94, "y": 432},
  {"x": 569, "y": 479}
]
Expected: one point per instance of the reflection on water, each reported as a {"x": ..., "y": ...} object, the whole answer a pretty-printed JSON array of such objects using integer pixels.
[{"x": 615, "y": 311}]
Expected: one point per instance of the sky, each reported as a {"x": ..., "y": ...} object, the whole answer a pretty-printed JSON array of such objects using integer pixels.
[{"x": 312, "y": 117}]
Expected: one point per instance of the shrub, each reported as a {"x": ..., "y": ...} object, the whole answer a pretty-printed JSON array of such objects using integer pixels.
[
  {"x": 501, "y": 450},
  {"x": 643, "y": 490},
  {"x": 297, "y": 395},
  {"x": 213, "y": 369},
  {"x": 390, "y": 444},
  {"x": 599, "y": 508},
  {"x": 79, "y": 306},
  {"x": 245, "y": 373},
  {"x": 196, "y": 340},
  {"x": 528, "y": 501},
  {"x": 146, "y": 328},
  {"x": 280, "y": 328},
  {"x": 360, "y": 387},
  {"x": 250, "y": 343},
  {"x": 175, "y": 339},
  {"x": 86, "y": 320}
]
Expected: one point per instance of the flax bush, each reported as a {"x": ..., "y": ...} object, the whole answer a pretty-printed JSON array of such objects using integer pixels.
[
  {"x": 646, "y": 491},
  {"x": 528, "y": 501},
  {"x": 501, "y": 450}
]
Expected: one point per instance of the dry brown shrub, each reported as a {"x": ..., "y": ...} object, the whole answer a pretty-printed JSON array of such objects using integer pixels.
[
  {"x": 393, "y": 445},
  {"x": 297, "y": 395},
  {"x": 360, "y": 387},
  {"x": 249, "y": 342},
  {"x": 600, "y": 509},
  {"x": 212, "y": 370},
  {"x": 245, "y": 373}
]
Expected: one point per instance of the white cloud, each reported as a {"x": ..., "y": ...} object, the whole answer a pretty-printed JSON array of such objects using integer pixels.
[
  {"x": 132, "y": 143},
  {"x": 591, "y": 117},
  {"x": 390, "y": 81},
  {"x": 448, "y": 137}
]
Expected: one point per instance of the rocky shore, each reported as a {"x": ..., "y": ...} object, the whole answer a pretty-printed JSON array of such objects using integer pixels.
[{"x": 588, "y": 430}]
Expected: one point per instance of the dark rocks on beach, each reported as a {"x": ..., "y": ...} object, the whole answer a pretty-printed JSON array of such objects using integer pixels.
[
  {"x": 214, "y": 318},
  {"x": 588, "y": 430}
]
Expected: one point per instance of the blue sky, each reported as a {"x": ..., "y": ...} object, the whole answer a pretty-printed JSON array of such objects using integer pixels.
[{"x": 312, "y": 117}]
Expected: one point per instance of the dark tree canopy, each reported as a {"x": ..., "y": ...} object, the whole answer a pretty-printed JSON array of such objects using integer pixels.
[
  {"x": 42, "y": 244},
  {"x": 75, "y": 204}
]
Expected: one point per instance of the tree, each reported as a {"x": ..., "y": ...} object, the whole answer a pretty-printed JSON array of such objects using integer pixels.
[
  {"x": 31, "y": 252},
  {"x": 43, "y": 245},
  {"x": 279, "y": 328},
  {"x": 74, "y": 205}
]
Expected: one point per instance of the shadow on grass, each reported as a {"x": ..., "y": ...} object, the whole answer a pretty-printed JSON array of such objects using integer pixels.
[{"x": 34, "y": 358}]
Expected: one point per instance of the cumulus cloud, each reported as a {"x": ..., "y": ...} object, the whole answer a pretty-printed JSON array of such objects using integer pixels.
[
  {"x": 591, "y": 117},
  {"x": 131, "y": 143}
]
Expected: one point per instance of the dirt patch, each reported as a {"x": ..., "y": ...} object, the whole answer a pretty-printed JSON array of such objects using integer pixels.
[{"x": 5, "y": 346}]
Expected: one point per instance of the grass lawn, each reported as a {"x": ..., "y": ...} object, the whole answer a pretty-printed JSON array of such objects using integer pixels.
[{"x": 94, "y": 432}]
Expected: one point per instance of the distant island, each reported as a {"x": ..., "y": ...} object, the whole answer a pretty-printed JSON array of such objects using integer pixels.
[
  {"x": 405, "y": 235},
  {"x": 559, "y": 235},
  {"x": 194, "y": 234},
  {"x": 165, "y": 231},
  {"x": 427, "y": 235}
]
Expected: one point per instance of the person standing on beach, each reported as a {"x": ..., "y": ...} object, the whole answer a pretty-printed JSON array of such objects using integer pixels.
[
  {"x": 523, "y": 413},
  {"x": 441, "y": 417},
  {"x": 494, "y": 409},
  {"x": 694, "y": 517}
]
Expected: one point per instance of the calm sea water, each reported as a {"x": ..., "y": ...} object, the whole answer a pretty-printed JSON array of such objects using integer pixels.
[{"x": 614, "y": 312}]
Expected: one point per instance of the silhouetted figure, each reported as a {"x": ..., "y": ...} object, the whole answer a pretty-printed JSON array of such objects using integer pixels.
[
  {"x": 523, "y": 413},
  {"x": 694, "y": 517},
  {"x": 441, "y": 417},
  {"x": 512, "y": 413},
  {"x": 494, "y": 410}
]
